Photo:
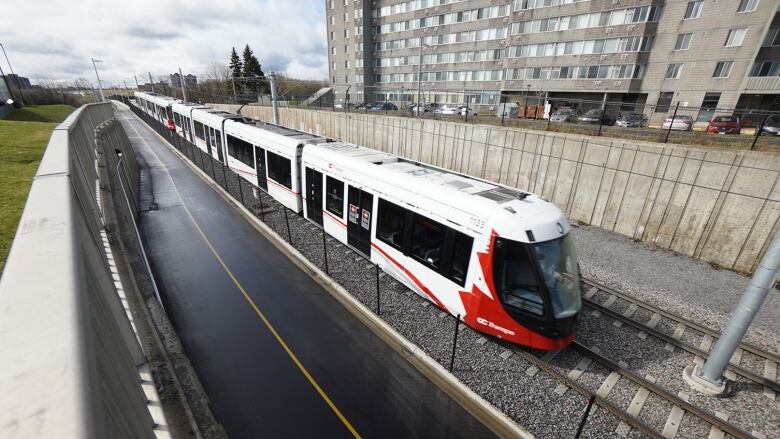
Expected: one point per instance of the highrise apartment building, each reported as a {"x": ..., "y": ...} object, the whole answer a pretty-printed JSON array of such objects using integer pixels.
[{"x": 709, "y": 53}]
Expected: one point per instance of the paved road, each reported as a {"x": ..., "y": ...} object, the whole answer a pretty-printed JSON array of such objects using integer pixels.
[{"x": 212, "y": 266}]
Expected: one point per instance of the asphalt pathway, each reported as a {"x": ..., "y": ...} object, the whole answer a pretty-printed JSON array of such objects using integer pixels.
[{"x": 277, "y": 355}]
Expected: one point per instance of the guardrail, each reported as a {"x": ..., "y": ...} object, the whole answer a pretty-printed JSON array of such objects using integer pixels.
[{"x": 69, "y": 358}]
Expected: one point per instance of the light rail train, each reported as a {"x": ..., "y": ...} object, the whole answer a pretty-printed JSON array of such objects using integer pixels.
[{"x": 501, "y": 259}]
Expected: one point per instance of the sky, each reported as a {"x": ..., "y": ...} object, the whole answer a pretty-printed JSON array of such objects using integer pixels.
[{"x": 56, "y": 39}]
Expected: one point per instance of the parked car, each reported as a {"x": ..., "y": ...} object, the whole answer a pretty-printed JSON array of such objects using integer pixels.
[
  {"x": 631, "y": 120},
  {"x": 680, "y": 123},
  {"x": 384, "y": 106},
  {"x": 564, "y": 115},
  {"x": 771, "y": 126},
  {"x": 460, "y": 110},
  {"x": 362, "y": 106},
  {"x": 424, "y": 108},
  {"x": 725, "y": 125},
  {"x": 595, "y": 115}
]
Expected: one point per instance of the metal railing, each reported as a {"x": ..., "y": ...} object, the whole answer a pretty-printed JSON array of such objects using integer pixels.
[{"x": 69, "y": 359}]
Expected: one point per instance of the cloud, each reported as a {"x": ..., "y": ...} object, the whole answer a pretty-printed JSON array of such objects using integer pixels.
[{"x": 142, "y": 36}]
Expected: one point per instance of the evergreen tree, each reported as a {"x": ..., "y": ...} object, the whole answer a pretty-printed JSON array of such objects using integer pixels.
[
  {"x": 252, "y": 68},
  {"x": 236, "y": 66}
]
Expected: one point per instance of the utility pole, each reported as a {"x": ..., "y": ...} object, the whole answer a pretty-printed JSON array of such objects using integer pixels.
[
  {"x": 16, "y": 78},
  {"x": 100, "y": 86},
  {"x": 183, "y": 89},
  {"x": 274, "y": 105},
  {"x": 708, "y": 378},
  {"x": 151, "y": 81}
]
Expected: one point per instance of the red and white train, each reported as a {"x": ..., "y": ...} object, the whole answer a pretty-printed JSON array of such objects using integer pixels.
[{"x": 501, "y": 259}]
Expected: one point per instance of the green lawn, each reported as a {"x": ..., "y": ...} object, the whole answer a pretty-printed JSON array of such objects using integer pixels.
[
  {"x": 21, "y": 147},
  {"x": 41, "y": 113}
]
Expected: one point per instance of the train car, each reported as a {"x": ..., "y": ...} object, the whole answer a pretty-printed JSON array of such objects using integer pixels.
[
  {"x": 182, "y": 118},
  {"x": 157, "y": 106},
  {"x": 208, "y": 130},
  {"x": 268, "y": 156},
  {"x": 501, "y": 259}
]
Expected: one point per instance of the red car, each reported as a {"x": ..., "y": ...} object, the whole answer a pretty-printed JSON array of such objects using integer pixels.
[{"x": 725, "y": 125}]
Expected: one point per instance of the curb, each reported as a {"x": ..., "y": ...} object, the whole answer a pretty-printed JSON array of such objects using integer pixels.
[{"x": 489, "y": 415}]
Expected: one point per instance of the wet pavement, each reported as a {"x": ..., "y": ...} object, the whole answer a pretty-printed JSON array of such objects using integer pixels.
[{"x": 211, "y": 265}]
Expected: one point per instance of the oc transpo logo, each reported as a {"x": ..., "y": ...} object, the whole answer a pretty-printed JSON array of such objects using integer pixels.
[{"x": 492, "y": 325}]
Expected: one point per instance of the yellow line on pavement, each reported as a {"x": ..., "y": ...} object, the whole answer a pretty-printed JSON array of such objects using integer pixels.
[{"x": 251, "y": 302}]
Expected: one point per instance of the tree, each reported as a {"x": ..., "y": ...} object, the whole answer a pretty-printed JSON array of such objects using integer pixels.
[
  {"x": 236, "y": 66},
  {"x": 252, "y": 68}
]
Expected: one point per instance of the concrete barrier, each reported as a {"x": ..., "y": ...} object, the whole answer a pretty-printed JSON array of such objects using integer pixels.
[
  {"x": 70, "y": 362},
  {"x": 717, "y": 205}
]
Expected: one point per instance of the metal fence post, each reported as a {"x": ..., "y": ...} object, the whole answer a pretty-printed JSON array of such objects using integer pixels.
[
  {"x": 455, "y": 341},
  {"x": 377, "y": 288},
  {"x": 758, "y": 132},
  {"x": 325, "y": 251},
  {"x": 585, "y": 416},
  {"x": 666, "y": 140},
  {"x": 601, "y": 120},
  {"x": 287, "y": 221}
]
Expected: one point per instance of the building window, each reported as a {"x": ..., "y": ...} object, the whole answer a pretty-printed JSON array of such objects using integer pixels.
[
  {"x": 722, "y": 69},
  {"x": 358, "y": 13},
  {"x": 708, "y": 106},
  {"x": 747, "y": 6},
  {"x": 346, "y": 33},
  {"x": 346, "y": 16},
  {"x": 765, "y": 68},
  {"x": 693, "y": 10},
  {"x": 683, "y": 41},
  {"x": 673, "y": 71},
  {"x": 390, "y": 224},
  {"x": 664, "y": 101},
  {"x": 332, "y": 36},
  {"x": 333, "y": 65},
  {"x": 346, "y": 64},
  {"x": 332, "y": 5},
  {"x": 735, "y": 37},
  {"x": 772, "y": 38},
  {"x": 334, "y": 196},
  {"x": 280, "y": 170},
  {"x": 346, "y": 2}
]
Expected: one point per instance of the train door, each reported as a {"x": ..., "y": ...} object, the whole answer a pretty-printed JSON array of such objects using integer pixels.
[
  {"x": 314, "y": 195},
  {"x": 262, "y": 176},
  {"x": 359, "y": 219},
  {"x": 207, "y": 136}
]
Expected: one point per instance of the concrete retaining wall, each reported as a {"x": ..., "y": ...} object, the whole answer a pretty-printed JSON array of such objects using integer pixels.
[{"x": 720, "y": 206}]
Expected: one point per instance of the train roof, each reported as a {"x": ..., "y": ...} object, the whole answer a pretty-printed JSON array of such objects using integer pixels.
[
  {"x": 213, "y": 116},
  {"x": 185, "y": 107},
  {"x": 434, "y": 185},
  {"x": 266, "y": 134}
]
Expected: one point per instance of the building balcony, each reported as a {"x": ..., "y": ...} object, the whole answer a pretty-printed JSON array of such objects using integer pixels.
[{"x": 766, "y": 84}]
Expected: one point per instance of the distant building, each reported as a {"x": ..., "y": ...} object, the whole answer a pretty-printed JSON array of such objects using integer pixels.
[
  {"x": 15, "y": 80},
  {"x": 189, "y": 80}
]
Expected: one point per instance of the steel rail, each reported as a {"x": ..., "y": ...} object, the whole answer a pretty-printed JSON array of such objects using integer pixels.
[
  {"x": 663, "y": 393},
  {"x": 680, "y": 344},
  {"x": 753, "y": 349}
]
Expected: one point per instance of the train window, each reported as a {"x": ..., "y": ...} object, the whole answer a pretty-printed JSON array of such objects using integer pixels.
[
  {"x": 558, "y": 264},
  {"x": 280, "y": 170},
  {"x": 240, "y": 150},
  {"x": 218, "y": 138},
  {"x": 390, "y": 224},
  {"x": 515, "y": 278},
  {"x": 334, "y": 196},
  {"x": 427, "y": 241},
  {"x": 199, "y": 131},
  {"x": 461, "y": 255}
]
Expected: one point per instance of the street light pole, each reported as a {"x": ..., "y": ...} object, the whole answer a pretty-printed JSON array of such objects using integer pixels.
[
  {"x": 419, "y": 76},
  {"x": 16, "y": 78},
  {"x": 100, "y": 86}
]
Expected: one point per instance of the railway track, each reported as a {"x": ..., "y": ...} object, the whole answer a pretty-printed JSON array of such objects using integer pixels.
[
  {"x": 684, "y": 331},
  {"x": 630, "y": 417}
]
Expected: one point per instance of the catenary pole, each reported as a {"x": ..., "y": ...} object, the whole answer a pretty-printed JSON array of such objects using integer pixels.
[
  {"x": 100, "y": 86},
  {"x": 274, "y": 105},
  {"x": 183, "y": 88},
  {"x": 151, "y": 81},
  {"x": 709, "y": 378}
]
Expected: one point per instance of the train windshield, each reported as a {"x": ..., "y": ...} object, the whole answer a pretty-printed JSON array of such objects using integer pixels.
[
  {"x": 520, "y": 283},
  {"x": 558, "y": 264}
]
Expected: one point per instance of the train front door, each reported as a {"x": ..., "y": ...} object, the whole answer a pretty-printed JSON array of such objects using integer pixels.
[
  {"x": 314, "y": 195},
  {"x": 262, "y": 177},
  {"x": 359, "y": 219}
]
